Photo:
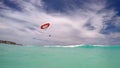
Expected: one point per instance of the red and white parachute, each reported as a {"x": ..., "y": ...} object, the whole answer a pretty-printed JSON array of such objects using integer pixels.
[{"x": 45, "y": 26}]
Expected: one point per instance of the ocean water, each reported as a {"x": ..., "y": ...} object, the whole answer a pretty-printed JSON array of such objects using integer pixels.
[{"x": 74, "y": 56}]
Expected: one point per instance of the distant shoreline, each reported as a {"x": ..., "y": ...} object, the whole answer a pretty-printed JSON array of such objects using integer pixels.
[{"x": 8, "y": 42}]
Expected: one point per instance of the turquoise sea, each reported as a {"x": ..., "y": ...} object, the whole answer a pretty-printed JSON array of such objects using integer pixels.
[{"x": 74, "y": 56}]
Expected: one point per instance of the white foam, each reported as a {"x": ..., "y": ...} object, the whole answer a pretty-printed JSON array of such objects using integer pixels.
[
  {"x": 81, "y": 45},
  {"x": 100, "y": 45},
  {"x": 69, "y": 46}
]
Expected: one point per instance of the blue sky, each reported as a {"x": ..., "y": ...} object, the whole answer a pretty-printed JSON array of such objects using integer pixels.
[{"x": 72, "y": 22}]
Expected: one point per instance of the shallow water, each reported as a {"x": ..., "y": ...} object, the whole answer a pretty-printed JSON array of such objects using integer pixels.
[{"x": 12, "y": 56}]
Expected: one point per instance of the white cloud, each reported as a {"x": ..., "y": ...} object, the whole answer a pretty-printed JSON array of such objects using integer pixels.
[{"x": 65, "y": 28}]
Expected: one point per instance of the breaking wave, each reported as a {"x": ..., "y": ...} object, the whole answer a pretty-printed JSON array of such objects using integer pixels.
[{"x": 83, "y": 45}]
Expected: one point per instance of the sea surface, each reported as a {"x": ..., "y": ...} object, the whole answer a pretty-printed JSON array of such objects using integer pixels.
[{"x": 72, "y": 56}]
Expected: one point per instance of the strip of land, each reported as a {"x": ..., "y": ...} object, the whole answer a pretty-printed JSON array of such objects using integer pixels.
[{"x": 8, "y": 42}]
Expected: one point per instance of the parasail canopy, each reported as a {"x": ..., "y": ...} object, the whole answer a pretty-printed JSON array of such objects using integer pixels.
[{"x": 45, "y": 26}]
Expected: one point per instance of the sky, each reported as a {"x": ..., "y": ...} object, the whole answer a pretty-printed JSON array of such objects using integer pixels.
[{"x": 72, "y": 22}]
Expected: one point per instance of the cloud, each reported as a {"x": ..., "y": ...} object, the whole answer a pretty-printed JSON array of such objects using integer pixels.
[{"x": 83, "y": 24}]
